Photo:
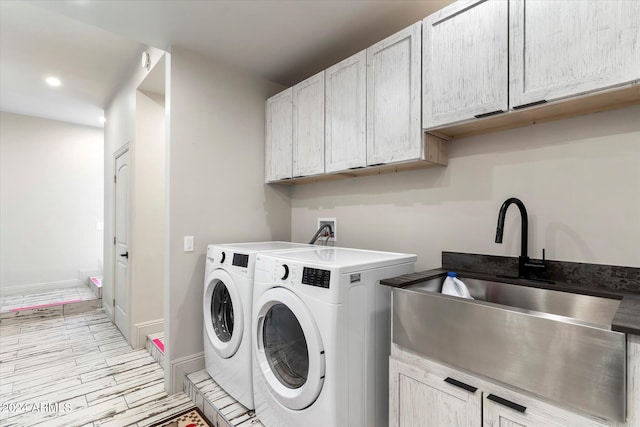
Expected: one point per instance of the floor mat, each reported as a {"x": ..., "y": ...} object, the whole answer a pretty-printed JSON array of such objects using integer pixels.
[{"x": 190, "y": 418}]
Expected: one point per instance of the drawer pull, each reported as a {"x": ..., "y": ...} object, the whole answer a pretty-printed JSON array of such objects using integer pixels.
[
  {"x": 460, "y": 384},
  {"x": 507, "y": 403}
]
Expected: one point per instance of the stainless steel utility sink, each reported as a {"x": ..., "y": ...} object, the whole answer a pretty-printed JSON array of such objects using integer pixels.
[{"x": 555, "y": 344}]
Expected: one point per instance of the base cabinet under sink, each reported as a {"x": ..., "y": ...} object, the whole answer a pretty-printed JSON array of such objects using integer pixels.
[{"x": 423, "y": 393}]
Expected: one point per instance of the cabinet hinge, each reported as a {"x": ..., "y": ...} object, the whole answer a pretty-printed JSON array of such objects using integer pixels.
[
  {"x": 115, "y": 179},
  {"x": 114, "y": 303},
  {"x": 114, "y": 240}
]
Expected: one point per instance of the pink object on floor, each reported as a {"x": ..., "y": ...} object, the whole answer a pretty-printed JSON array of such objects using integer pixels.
[
  {"x": 30, "y": 307},
  {"x": 158, "y": 342}
]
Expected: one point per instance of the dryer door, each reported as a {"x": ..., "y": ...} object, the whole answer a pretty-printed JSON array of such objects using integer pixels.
[
  {"x": 289, "y": 349},
  {"x": 223, "y": 319}
]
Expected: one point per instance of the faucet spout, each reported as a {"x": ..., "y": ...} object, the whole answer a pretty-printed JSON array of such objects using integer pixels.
[{"x": 523, "y": 260}]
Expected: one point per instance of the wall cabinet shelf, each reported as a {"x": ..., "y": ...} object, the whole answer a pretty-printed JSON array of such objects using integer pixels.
[{"x": 581, "y": 57}]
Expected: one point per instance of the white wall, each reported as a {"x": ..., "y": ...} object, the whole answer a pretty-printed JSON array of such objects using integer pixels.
[
  {"x": 579, "y": 179},
  {"x": 148, "y": 228},
  {"x": 120, "y": 128},
  {"x": 216, "y": 187},
  {"x": 51, "y": 201}
]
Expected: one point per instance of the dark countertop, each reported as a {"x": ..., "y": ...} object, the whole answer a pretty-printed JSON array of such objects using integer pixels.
[{"x": 626, "y": 320}]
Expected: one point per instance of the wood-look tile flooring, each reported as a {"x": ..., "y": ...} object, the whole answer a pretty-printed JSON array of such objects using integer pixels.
[
  {"x": 78, "y": 370},
  {"x": 47, "y": 304}
]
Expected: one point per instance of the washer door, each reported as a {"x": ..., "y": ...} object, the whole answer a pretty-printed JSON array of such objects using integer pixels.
[
  {"x": 223, "y": 317},
  {"x": 289, "y": 349}
]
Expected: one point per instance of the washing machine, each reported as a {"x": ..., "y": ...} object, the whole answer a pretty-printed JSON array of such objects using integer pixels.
[
  {"x": 322, "y": 336},
  {"x": 228, "y": 293}
]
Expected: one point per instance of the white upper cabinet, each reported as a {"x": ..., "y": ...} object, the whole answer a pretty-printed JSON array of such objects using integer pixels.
[
  {"x": 465, "y": 61},
  {"x": 394, "y": 131},
  {"x": 346, "y": 115},
  {"x": 308, "y": 126},
  {"x": 279, "y": 136},
  {"x": 567, "y": 47}
]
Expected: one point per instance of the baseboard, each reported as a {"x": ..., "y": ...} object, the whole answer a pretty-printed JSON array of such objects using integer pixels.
[
  {"x": 39, "y": 287},
  {"x": 141, "y": 330},
  {"x": 108, "y": 310},
  {"x": 180, "y": 367},
  {"x": 84, "y": 274}
]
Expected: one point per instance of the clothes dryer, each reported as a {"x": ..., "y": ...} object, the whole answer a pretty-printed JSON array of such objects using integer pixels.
[
  {"x": 321, "y": 336},
  {"x": 228, "y": 298}
]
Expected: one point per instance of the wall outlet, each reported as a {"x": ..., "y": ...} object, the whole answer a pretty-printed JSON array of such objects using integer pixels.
[
  {"x": 188, "y": 243},
  {"x": 323, "y": 237}
]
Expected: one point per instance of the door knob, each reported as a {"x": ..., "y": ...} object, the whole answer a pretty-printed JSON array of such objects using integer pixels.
[{"x": 126, "y": 254}]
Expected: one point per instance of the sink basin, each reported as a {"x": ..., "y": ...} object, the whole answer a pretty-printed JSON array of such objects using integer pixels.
[{"x": 554, "y": 344}]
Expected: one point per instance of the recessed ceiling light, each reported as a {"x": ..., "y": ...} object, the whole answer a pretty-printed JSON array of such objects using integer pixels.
[
  {"x": 53, "y": 81},
  {"x": 102, "y": 119}
]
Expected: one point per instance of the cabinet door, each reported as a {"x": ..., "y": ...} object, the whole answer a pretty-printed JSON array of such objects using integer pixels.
[
  {"x": 518, "y": 411},
  {"x": 346, "y": 114},
  {"x": 393, "y": 98},
  {"x": 308, "y": 126},
  {"x": 278, "y": 138},
  {"x": 465, "y": 62},
  {"x": 567, "y": 47},
  {"x": 418, "y": 398}
]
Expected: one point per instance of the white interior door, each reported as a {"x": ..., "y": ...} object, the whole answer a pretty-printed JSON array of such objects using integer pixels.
[{"x": 121, "y": 247}]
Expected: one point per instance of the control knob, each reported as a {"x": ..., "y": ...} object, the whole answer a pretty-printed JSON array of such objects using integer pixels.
[
  {"x": 285, "y": 271},
  {"x": 222, "y": 257}
]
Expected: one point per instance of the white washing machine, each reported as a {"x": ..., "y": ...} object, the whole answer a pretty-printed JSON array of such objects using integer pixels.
[
  {"x": 228, "y": 298},
  {"x": 321, "y": 336}
]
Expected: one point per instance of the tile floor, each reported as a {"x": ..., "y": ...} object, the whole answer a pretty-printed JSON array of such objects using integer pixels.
[
  {"x": 78, "y": 370},
  {"x": 48, "y": 304},
  {"x": 220, "y": 409}
]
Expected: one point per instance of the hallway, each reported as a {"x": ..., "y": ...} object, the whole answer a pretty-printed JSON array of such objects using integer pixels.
[{"x": 79, "y": 370}]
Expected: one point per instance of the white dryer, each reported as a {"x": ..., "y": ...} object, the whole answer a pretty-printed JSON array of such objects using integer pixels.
[
  {"x": 228, "y": 298},
  {"x": 321, "y": 336}
]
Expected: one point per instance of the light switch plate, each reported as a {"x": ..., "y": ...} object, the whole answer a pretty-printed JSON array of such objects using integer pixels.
[{"x": 188, "y": 243}]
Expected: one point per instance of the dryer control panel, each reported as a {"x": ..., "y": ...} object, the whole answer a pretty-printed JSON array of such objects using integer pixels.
[{"x": 316, "y": 277}]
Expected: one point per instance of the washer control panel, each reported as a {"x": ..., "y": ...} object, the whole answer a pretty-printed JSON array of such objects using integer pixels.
[{"x": 316, "y": 277}]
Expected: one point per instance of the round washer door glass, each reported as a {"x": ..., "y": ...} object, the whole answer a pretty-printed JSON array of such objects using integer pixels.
[
  {"x": 288, "y": 349},
  {"x": 285, "y": 346},
  {"x": 222, "y": 312}
]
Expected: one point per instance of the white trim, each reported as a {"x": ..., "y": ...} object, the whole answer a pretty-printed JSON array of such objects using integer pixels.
[
  {"x": 179, "y": 368},
  {"x": 121, "y": 150},
  {"x": 144, "y": 329},
  {"x": 38, "y": 287},
  {"x": 108, "y": 310}
]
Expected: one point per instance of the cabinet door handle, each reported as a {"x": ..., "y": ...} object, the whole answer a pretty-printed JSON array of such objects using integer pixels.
[
  {"x": 493, "y": 113},
  {"x": 507, "y": 403},
  {"x": 531, "y": 104},
  {"x": 460, "y": 384}
]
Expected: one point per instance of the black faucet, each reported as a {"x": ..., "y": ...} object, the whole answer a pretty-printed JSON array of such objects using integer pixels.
[{"x": 525, "y": 265}]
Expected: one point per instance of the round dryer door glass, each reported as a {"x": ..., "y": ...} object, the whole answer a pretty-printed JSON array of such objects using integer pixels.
[
  {"x": 285, "y": 346},
  {"x": 222, "y": 312}
]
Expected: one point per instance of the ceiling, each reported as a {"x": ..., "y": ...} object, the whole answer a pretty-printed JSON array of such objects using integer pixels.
[{"x": 282, "y": 40}]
